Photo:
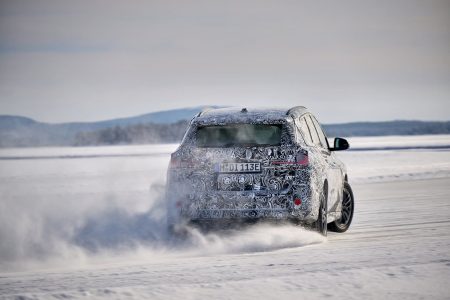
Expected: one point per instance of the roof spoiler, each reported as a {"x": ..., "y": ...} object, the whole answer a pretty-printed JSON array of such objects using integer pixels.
[
  {"x": 295, "y": 110},
  {"x": 206, "y": 109}
]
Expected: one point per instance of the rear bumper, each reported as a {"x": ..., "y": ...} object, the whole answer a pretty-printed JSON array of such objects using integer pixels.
[
  {"x": 206, "y": 214},
  {"x": 243, "y": 205},
  {"x": 239, "y": 223},
  {"x": 220, "y": 216}
]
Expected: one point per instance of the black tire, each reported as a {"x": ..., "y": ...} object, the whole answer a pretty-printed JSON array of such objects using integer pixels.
[
  {"x": 321, "y": 223},
  {"x": 348, "y": 206}
]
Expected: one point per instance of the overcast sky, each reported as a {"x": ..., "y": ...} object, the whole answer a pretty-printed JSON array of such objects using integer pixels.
[{"x": 358, "y": 60}]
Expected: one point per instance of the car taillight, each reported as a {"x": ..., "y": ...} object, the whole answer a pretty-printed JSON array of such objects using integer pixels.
[
  {"x": 178, "y": 163},
  {"x": 300, "y": 159},
  {"x": 175, "y": 163}
]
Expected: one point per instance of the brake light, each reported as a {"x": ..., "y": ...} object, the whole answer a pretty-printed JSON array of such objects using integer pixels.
[
  {"x": 300, "y": 159},
  {"x": 178, "y": 163},
  {"x": 175, "y": 163}
]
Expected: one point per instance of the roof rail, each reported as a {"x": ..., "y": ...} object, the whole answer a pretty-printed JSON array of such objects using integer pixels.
[{"x": 295, "y": 110}]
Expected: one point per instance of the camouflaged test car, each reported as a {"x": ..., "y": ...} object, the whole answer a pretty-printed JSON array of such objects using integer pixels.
[{"x": 237, "y": 164}]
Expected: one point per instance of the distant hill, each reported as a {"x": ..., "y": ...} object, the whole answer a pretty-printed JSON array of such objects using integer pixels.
[
  {"x": 167, "y": 127},
  {"x": 160, "y": 117},
  {"x": 14, "y": 122},
  {"x": 17, "y": 131}
]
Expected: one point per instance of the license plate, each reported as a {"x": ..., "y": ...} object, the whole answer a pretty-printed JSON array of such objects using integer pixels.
[{"x": 239, "y": 168}]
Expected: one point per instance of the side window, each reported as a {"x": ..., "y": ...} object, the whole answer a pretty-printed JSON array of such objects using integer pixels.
[
  {"x": 314, "y": 135},
  {"x": 305, "y": 131},
  {"x": 322, "y": 137}
]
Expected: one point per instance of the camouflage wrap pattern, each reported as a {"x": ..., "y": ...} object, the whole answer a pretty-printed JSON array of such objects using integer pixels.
[{"x": 196, "y": 190}]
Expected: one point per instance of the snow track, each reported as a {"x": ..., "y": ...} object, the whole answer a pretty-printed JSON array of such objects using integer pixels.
[{"x": 397, "y": 247}]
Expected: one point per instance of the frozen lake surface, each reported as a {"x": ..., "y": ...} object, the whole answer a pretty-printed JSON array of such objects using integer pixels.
[{"x": 89, "y": 222}]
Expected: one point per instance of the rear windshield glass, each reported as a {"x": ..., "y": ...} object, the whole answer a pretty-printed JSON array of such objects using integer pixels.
[{"x": 239, "y": 135}]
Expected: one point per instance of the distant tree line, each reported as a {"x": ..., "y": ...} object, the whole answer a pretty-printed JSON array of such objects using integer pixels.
[
  {"x": 23, "y": 132},
  {"x": 151, "y": 133},
  {"x": 148, "y": 133}
]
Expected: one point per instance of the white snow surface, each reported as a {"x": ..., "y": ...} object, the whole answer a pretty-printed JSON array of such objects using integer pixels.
[
  {"x": 413, "y": 141},
  {"x": 89, "y": 223}
]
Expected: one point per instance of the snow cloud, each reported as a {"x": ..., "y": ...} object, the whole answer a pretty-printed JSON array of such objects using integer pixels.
[{"x": 70, "y": 212}]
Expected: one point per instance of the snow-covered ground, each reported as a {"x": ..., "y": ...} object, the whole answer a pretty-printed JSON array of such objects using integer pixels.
[
  {"x": 413, "y": 141},
  {"x": 89, "y": 222}
]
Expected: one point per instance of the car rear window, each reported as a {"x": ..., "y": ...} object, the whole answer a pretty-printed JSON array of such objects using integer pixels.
[{"x": 239, "y": 135}]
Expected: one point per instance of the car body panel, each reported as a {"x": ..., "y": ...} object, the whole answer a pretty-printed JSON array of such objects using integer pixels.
[{"x": 197, "y": 190}]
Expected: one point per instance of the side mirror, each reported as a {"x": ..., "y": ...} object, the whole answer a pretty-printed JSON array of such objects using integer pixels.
[{"x": 340, "y": 144}]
